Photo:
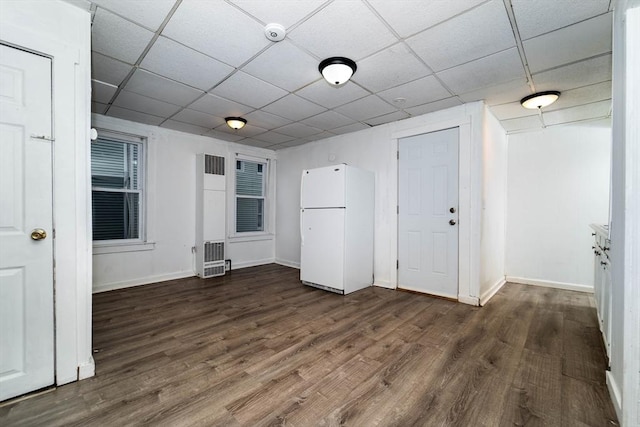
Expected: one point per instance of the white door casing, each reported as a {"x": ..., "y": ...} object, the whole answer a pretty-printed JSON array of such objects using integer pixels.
[
  {"x": 26, "y": 265},
  {"x": 427, "y": 227}
]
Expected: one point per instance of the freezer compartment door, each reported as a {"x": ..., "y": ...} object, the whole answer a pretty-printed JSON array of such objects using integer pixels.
[
  {"x": 323, "y": 187},
  {"x": 322, "y": 250}
]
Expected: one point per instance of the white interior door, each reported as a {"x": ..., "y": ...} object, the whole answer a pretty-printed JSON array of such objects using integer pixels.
[
  {"x": 322, "y": 247},
  {"x": 428, "y": 213},
  {"x": 26, "y": 255}
]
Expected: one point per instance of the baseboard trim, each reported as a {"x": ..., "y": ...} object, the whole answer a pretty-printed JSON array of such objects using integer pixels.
[
  {"x": 614, "y": 392},
  {"x": 141, "y": 281},
  {"x": 489, "y": 293},
  {"x": 87, "y": 369},
  {"x": 288, "y": 263},
  {"x": 384, "y": 284},
  {"x": 551, "y": 284},
  {"x": 466, "y": 299},
  {"x": 254, "y": 263}
]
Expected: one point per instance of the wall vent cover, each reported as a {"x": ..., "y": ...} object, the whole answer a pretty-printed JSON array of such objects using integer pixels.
[
  {"x": 213, "y": 165},
  {"x": 217, "y": 270},
  {"x": 213, "y": 251}
]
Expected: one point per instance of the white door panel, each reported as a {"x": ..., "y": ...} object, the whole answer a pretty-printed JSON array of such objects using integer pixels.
[
  {"x": 322, "y": 249},
  {"x": 428, "y": 190},
  {"x": 323, "y": 187},
  {"x": 26, "y": 265}
]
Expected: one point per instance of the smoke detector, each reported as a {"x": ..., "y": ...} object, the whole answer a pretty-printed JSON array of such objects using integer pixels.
[{"x": 275, "y": 32}]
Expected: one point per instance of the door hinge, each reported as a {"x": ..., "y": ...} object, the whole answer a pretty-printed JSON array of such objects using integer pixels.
[
  {"x": 398, "y": 209},
  {"x": 398, "y": 154},
  {"x": 397, "y": 265}
]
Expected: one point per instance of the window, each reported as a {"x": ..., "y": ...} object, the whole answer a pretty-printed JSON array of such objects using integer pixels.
[
  {"x": 250, "y": 196},
  {"x": 117, "y": 188}
]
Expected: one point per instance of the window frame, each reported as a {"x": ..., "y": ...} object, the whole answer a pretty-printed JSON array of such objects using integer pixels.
[
  {"x": 141, "y": 142},
  {"x": 265, "y": 162}
]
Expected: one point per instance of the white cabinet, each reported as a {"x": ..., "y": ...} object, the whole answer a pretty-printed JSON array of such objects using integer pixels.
[{"x": 602, "y": 282}]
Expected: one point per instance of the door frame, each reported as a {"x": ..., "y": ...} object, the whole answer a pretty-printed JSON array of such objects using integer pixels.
[
  {"x": 71, "y": 120},
  {"x": 469, "y": 199}
]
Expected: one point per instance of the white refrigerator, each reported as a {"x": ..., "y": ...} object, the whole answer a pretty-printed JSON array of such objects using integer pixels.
[{"x": 336, "y": 228}]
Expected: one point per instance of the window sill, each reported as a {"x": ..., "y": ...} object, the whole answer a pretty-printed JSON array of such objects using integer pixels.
[
  {"x": 251, "y": 237},
  {"x": 112, "y": 248}
]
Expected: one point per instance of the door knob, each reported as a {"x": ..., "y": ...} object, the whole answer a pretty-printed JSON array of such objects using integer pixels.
[
  {"x": 452, "y": 210},
  {"x": 38, "y": 234},
  {"x": 452, "y": 222}
]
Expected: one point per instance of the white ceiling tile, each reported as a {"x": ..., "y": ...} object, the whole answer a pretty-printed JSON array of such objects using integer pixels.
[
  {"x": 582, "y": 95},
  {"x": 350, "y": 128},
  {"x": 248, "y": 131},
  {"x": 98, "y": 107},
  {"x": 391, "y": 67},
  {"x": 479, "y": 32},
  {"x": 388, "y": 118},
  {"x": 266, "y": 120},
  {"x": 408, "y": 17},
  {"x": 328, "y": 120},
  {"x": 366, "y": 108},
  {"x": 521, "y": 123},
  {"x": 108, "y": 70},
  {"x": 143, "y": 104},
  {"x": 273, "y": 137},
  {"x": 224, "y": 136},
  {"x": 157, "y": 87},
  {"x": 255, "y": 143},
  {"x": 285, "y": 66},
  {"x": 316, "y": 137},
  {"x": 248, "y": 90},
  {"x": 149, "y": 13},
  {"x": 102, "y": 92},
  {"x": 576, "y": 42},
  {"x": 433, "y": 106},
  {"x": 185, "y": 65},
  {"x": 134, "y": 116},
  {"x": 417, "y": 92},
  {"x": 294, "y": 108},
  {"x": 498, "y": 94},
  {"x": 220, "y": 107},
  {"x": 322, "y": 93},
  {"x": 117, "y": 37},
  {"x": 289, "y": 144},
  {"x": 541, "y": 16},
  {"x": 576, "y": 75},
  {"x": 184, "y": 127},
  {"x": 511, "y": 110},
  {"x": 217, "y": 29},
  {"x": 198, "y": 118},
  {"x": 497, "y": 68},
  {"x": 298, "y": 130},
  {"x": 581, "y": 112},
  {"x": 283, "y": 12},
  {"x": 344, "y": 28}
]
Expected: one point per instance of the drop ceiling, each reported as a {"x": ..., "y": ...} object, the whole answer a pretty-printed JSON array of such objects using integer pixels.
[{"x": 187, "y": 64}]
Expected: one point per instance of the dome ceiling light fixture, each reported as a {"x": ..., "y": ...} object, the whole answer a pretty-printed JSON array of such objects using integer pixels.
[
  {"x": 235, "y": 122},
  {"x": 540, "y": 99},
  {"x": 337, "y": 70}
]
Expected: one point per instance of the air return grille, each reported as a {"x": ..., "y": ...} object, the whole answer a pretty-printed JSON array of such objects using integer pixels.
[
  {"x": 217, "y": 270},
  {"x": 213, "y": 251},
  {"x": 213, "y": 165}
]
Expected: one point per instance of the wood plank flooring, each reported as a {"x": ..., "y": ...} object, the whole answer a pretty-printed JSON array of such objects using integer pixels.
[{"x": 257, "y": 348}]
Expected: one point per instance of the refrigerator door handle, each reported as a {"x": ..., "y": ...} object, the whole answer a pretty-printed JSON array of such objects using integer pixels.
[{"x": 302, "y": 227}]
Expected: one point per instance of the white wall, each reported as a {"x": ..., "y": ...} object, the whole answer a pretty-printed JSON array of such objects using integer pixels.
[
  {"x": 558, "y": 184},
  {"x": 624, "y": 378},
  {"x": 170, "y": 197},
  {"x": 62, "y": 31},
  {"x": 375, "y": 149},
  {"x": 494, "y": 206}
]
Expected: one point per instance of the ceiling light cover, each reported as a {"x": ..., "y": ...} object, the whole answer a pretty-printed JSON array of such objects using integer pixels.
[
  {"x": 540, "y": 99},
  {"x": 235, "y": 122},
  {"x": 337, "y": 70}
]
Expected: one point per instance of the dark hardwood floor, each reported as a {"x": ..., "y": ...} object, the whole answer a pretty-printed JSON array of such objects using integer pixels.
[{"x": 258, "y": 348}]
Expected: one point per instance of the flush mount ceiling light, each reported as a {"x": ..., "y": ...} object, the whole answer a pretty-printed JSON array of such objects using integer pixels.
[
  {"x": 235, "y": 122},
  {"x": 540, "y": 99},
  {"x": 337, "y": 70}
]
